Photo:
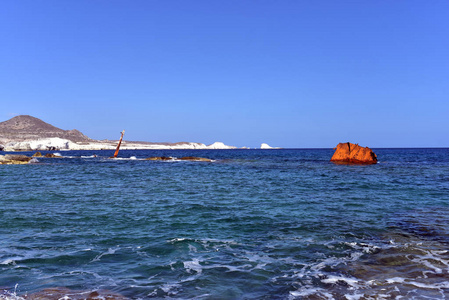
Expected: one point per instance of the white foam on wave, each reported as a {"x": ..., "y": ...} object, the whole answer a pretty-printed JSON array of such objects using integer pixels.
[
  {"x": 243, "y": 268},
  {"x": 330, "y": 269},
  {"x": 177, "y": 240},
  {"x": 207, "y": 243},
  {"x": 8, "y": 262},
  {"x": 193, "y": 265},
  {"x": 309, "y": 273},
  {"x": 395, "y": 280},
  {"x": 127, "y": 158},
  {"x": 10, "y": 296},
  {"x": 7, "y": 295},
  {"x": 109, "y": 252},
  {"x": 261, "y": 261},
  {"x": 84, "y": 273},
  {"x": 192, "y": 248},
  {"x": 430, "y": 262},
  {"x": 439, "y": 285},
  {"x": 364, "y": 247},
  {"x": 226, "y": 242},
  {"x": 311, "y": 292},
  {"x": 355, "y": 296},
  {"x": 333, "y": 279},
  {"x": 328, "y": 262},
  {"x": 430, "y": 258},
  {"x": 170, "y": 288}
]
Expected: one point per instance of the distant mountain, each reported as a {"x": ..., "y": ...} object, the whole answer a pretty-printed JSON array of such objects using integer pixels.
[
  {"x": 25, "y": 127},
  {"x": 27, "y": 133}
]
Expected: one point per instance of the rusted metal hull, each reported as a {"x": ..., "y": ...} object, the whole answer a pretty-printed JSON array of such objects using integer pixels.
[{"x": 119, "y": 143}]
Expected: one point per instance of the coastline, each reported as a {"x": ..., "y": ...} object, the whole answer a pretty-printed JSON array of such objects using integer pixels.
[{"x": 59, "y": 144}]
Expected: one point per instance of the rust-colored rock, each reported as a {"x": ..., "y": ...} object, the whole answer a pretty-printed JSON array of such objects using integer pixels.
[
  {"x": 37, "y": 154},
  {"x": 353, "y": 154}
]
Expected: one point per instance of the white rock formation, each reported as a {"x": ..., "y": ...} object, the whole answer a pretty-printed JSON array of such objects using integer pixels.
[
  {"x": 265, "y": 146},
  {"x": 220, "y": 145},
  {"x": 63, "y": 144},
  {"x": 54, "y": 144},
  {"x": 44, "y": 144}
]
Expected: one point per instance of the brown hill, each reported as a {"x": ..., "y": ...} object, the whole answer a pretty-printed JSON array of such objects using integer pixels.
[{"x": 25, "y": 127}]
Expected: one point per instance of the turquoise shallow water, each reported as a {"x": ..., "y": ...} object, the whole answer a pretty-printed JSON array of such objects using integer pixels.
[{"x": 253, "y": 224}]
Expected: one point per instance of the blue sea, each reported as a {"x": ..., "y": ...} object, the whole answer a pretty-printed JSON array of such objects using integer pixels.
[{"x": 251, "y": 224}]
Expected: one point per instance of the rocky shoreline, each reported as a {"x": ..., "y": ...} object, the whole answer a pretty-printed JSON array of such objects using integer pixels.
[{"x": 10, "y": 159}]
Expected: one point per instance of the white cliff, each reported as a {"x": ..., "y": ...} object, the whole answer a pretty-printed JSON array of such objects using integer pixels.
[
  {"x": 220, "y": 145},
  {"x": 266, "y": 146},
  {"x": 41, "y": 144},
  {"x": 63, "y": 144}
]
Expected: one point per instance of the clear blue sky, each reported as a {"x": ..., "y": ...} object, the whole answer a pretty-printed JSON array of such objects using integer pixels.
[{"x": 287, "y": 73}]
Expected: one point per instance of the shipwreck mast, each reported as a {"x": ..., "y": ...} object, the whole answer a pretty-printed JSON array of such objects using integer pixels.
[{"x": 119, "y": 143}]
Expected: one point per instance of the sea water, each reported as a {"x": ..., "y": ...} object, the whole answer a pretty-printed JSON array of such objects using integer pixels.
[{"x": 251, "y": 224}]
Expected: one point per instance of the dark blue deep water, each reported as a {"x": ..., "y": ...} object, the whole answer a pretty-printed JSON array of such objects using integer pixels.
[{"x": 252, "y": 224}]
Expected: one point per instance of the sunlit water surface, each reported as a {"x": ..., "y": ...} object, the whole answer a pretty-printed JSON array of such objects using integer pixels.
[{"x": 252, "y": 224}]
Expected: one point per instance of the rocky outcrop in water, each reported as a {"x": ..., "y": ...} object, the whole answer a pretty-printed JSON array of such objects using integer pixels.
[
  {"x": 159, "y": 158},
  {"x": 48, "y": 155},
  {"x": 10, "y": 159},
  {"x": 353, "y": 154},
  {"x": 52, "y": 155},
  {"x": 192, "y": 158}
]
